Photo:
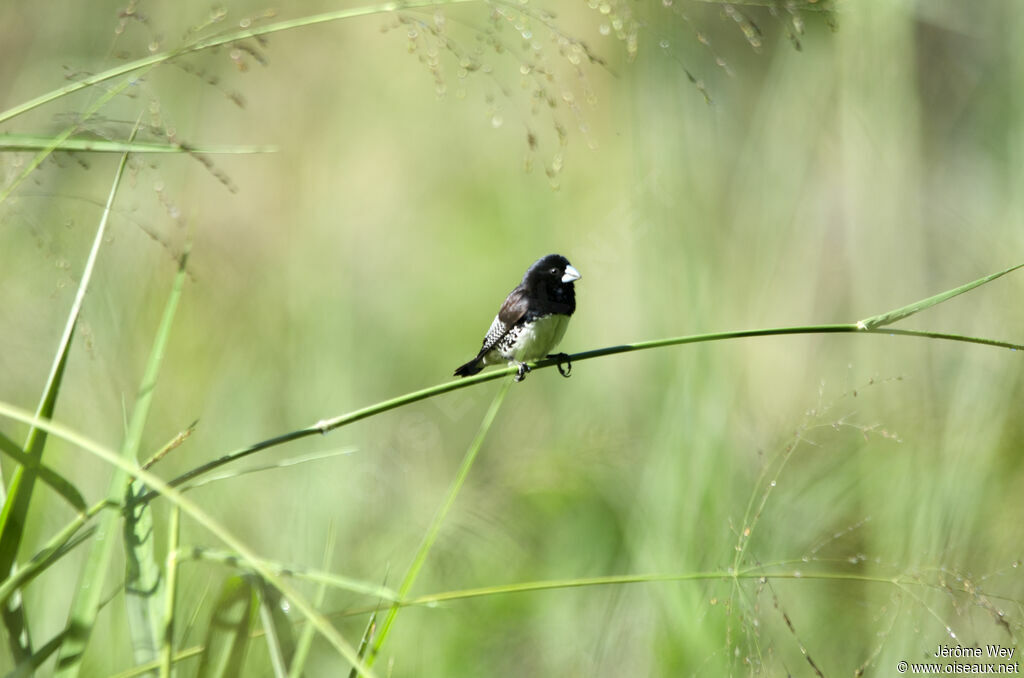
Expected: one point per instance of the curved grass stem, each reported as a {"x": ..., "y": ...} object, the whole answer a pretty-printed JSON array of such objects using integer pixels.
[{"x": 326, "y": 425}]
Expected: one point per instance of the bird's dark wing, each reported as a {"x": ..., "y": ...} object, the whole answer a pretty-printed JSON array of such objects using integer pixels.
[{"x": 511, "y": 312}]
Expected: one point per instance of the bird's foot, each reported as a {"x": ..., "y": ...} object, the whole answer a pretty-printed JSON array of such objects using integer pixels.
[
  {"x": 521, "y": 372},
  {"x": 563, "y": 359}
]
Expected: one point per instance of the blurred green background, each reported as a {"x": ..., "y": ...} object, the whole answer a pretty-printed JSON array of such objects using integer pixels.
[{"x": 418, "y": 174}]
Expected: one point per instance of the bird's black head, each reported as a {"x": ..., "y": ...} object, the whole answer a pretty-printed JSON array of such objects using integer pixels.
[{"x": 551, "y": 279}]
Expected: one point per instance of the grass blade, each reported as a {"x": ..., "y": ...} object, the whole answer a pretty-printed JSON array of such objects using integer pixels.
[
  {"x": 305, "y": 641},
  {"x": 281, "y": 463},
  {"x": 167, "y": 649},
  {"x": 161, "y": 487},
  {"x": 66, "y": 134},
  {"x": 35, "y": 142},
  {"x": 54, "y": 549},
  {"x": 144, "y": 594},
  {"x": 328, "y": 579},
  {"x": 47, "y": 474},
  {"x": 143, "y": 587},
  {"x": 278, "y": 629},
  {"x": 27, "y": 668},
  {"x": 214, "y": 41},
  {"x": 227, "y": 637},
  {"x": 16, "y": 504},
  {"x": 435, "y": 527},
  {"x": 918, "y": 306}
]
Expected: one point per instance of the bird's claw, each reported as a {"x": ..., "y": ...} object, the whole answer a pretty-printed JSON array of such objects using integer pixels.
[
  {"x": 521, "y": 372},
  {"x": 563, "y": 358}
]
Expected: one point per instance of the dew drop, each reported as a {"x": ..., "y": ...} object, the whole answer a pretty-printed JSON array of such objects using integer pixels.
[
  {"x": 497, "y": 121},
  {"x": 663, "y": 44},
  {"x": 797, "y": 574},
  {"x": 604, "y": 29},
  {"x": 772, "y": 483}
]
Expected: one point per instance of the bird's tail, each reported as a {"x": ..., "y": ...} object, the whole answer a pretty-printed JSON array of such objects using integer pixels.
[{"x": 470, "y": 368}]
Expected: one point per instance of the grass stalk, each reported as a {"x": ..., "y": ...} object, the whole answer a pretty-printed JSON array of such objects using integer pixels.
[
  {"x": 46, "y": 474},
  {"x": 59, "y": 545},
  {"x": 218, "y": 40},
  {"x": 35, "y": 142},
  {"x": 170, "y": 590},
  {"x": 322, "y": 577},
  {"x": 326, "y": 425},
  {"x": 143, "y": 588},
  {"x": 305, "y": 641},
  {"x": 435, "y": 526},
  {"x": 19, "y": 495},
  {"x": 323, "y": 626}
]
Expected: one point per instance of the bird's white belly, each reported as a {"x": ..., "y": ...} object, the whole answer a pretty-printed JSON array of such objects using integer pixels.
[{"x": 538, "y": 339}]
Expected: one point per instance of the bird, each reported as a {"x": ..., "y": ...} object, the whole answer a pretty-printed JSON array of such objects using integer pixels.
[{"x": 532, "y": 320}]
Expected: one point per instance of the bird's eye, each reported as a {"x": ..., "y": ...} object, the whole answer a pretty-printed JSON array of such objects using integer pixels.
[{"x": 553, "y": 271}]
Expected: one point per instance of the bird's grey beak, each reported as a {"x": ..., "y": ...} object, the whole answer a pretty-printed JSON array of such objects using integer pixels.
[{"x": 570, "y": 274}]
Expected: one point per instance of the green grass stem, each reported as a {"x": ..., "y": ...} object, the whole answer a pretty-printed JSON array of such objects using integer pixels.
[
  {"x": 19, "y": 494},
  {"x": 326, "y": 425},
  {"x": 36, "y": 142},
  {"x": 323, "y": 577},
  {"x": 305, "y": 641},
  {"x": 211, "y": 42},
  {"x": 435, "y": 526},
  {"x": 144, "y": 585},
  {"x": 192, "y": 509},
  {"x": 170, "y": 591}
]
